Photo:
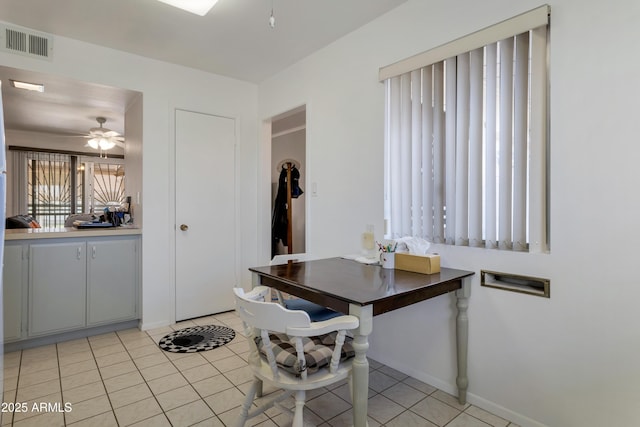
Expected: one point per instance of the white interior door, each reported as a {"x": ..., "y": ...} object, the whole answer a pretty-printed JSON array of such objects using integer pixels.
[{"x": 205, "y": 214}]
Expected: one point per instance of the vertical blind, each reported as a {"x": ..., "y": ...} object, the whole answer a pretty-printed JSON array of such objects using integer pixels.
[
  {"x": 50, "y": 186},
  {"x": 466, "y": 139}
]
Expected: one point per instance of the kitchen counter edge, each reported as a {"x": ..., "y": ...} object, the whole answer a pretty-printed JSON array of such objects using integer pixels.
[{"x": 67, "y": 232}]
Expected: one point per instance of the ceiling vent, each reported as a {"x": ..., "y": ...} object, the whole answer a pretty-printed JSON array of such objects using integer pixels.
[{"x": 26, "y": 42}]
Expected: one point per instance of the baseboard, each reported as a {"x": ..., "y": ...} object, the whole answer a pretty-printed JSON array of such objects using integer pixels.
[
  {"x": 154, "y": 325},
  {"x": 67, "y": 336},
  {"x": 472, "y": 399},
  {"x": 503, "y": 412}
]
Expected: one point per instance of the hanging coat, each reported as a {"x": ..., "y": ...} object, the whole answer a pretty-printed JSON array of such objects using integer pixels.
[{"x": 279, "y": 221}]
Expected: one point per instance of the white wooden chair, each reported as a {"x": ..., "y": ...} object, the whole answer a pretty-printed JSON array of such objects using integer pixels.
[
  {"x": 290, "y": 352},
  {"x": 315, "y": 311}
]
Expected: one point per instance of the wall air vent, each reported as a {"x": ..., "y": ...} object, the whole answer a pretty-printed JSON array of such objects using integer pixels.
[
  {"x": 25, "y": 42},
  {"x": 516, "y": 283}
]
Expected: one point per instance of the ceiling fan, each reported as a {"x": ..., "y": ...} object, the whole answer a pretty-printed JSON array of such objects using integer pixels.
[{"x": 104, "y": 139}]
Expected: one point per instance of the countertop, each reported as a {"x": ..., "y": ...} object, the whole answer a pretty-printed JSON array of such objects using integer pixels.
[{"x": 68, "y": 232}]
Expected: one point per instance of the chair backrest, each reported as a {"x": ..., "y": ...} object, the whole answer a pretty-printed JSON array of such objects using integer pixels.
[
  {"x": 258, "y": 293},
  {"x": 267, "y": 315},
  {"x": 283, "y": 259}
]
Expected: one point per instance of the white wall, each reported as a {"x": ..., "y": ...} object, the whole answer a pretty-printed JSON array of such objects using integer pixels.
[
  {"x": 133, "y": 125},
  {"x": 570, "y": 360},
  {"x": 165, "y": 87}
]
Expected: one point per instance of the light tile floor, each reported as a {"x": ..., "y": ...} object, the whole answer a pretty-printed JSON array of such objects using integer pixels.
[{"x": 124, "y": 378}]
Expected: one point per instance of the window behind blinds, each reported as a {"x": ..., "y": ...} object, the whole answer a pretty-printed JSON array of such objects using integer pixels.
[{"x": 466, "y": 142}]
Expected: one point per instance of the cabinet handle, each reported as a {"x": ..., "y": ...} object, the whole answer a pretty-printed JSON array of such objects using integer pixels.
[
  {"x": 79, "y": 254},
  {"x": 93, "y": 252}
]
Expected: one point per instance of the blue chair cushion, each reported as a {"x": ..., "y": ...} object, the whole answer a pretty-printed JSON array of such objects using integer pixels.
[{"x": 316, "y": 312}]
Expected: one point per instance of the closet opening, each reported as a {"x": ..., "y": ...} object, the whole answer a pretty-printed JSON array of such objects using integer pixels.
[{"x": 288, "y": 177}]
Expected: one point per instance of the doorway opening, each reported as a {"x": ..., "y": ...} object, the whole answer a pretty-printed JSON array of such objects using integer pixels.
[
  {"x": 54, "y": 172},
  {"x": 288, "y": 177}
]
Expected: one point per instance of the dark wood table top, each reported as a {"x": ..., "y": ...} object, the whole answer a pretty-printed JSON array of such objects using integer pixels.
[{"x": 337, "y": 282}]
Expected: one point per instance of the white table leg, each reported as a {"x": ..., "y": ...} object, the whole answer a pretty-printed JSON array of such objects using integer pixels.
[
  {"x": 360, "y": 379},
  {"x": 255, "y": 280},
  {"x": 462, "y": 338}
]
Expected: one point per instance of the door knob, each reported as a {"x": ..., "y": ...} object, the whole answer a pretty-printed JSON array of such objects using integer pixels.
[{"x": 184, "y": 227}]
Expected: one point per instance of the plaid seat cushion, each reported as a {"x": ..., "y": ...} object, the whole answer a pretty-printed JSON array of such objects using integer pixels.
[{"x": 317, "y": 351}]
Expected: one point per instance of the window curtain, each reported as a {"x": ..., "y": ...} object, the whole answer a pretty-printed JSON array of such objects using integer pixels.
[
  {"x": 17, "y": 183},
  {"x": 466, "y": 140}
]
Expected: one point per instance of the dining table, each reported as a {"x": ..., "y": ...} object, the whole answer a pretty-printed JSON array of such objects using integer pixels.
[{"x": 365, "y": 291}]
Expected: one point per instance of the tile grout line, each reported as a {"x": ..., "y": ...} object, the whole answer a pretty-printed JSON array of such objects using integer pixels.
[
  {"x": 145, "y": 382},
  {"x": 185, "y": 378},
  {"x": 233, "y": 352},
  {"x": 62, "y": 399},
  {"x": 236, "y": 386},
  {"x": 103, "y": 385},
  {"x": 15, "y": 398}
]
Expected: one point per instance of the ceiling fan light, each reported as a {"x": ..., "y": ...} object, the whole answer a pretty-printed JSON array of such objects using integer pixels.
[
  {"x": 93, "y": 143},
  {"x": 36, "y": 87},
  {"x": 106, "y": 144},
  {"x": 199, "y": 7}
]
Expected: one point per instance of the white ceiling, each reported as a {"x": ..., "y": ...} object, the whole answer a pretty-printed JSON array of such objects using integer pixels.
[
  {"x": 233, "y": 39},
  {"x": 67, "y": 107}
]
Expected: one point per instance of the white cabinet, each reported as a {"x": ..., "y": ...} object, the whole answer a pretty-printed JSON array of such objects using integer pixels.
[
  {"x": 13, "y": 280},
  {"x": 111, "y": 281},
  {"x": 57, "y": 287}
]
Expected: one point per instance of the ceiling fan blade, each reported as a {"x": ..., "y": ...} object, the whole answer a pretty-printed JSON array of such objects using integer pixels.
[{"x": 110, "y": 133}]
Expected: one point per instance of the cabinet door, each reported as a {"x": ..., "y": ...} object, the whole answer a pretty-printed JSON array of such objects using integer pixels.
[
  {"x": 13, "y": 282},
  {"x": 112, "y": 280},
  {"x": 57, "y": 287}
]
